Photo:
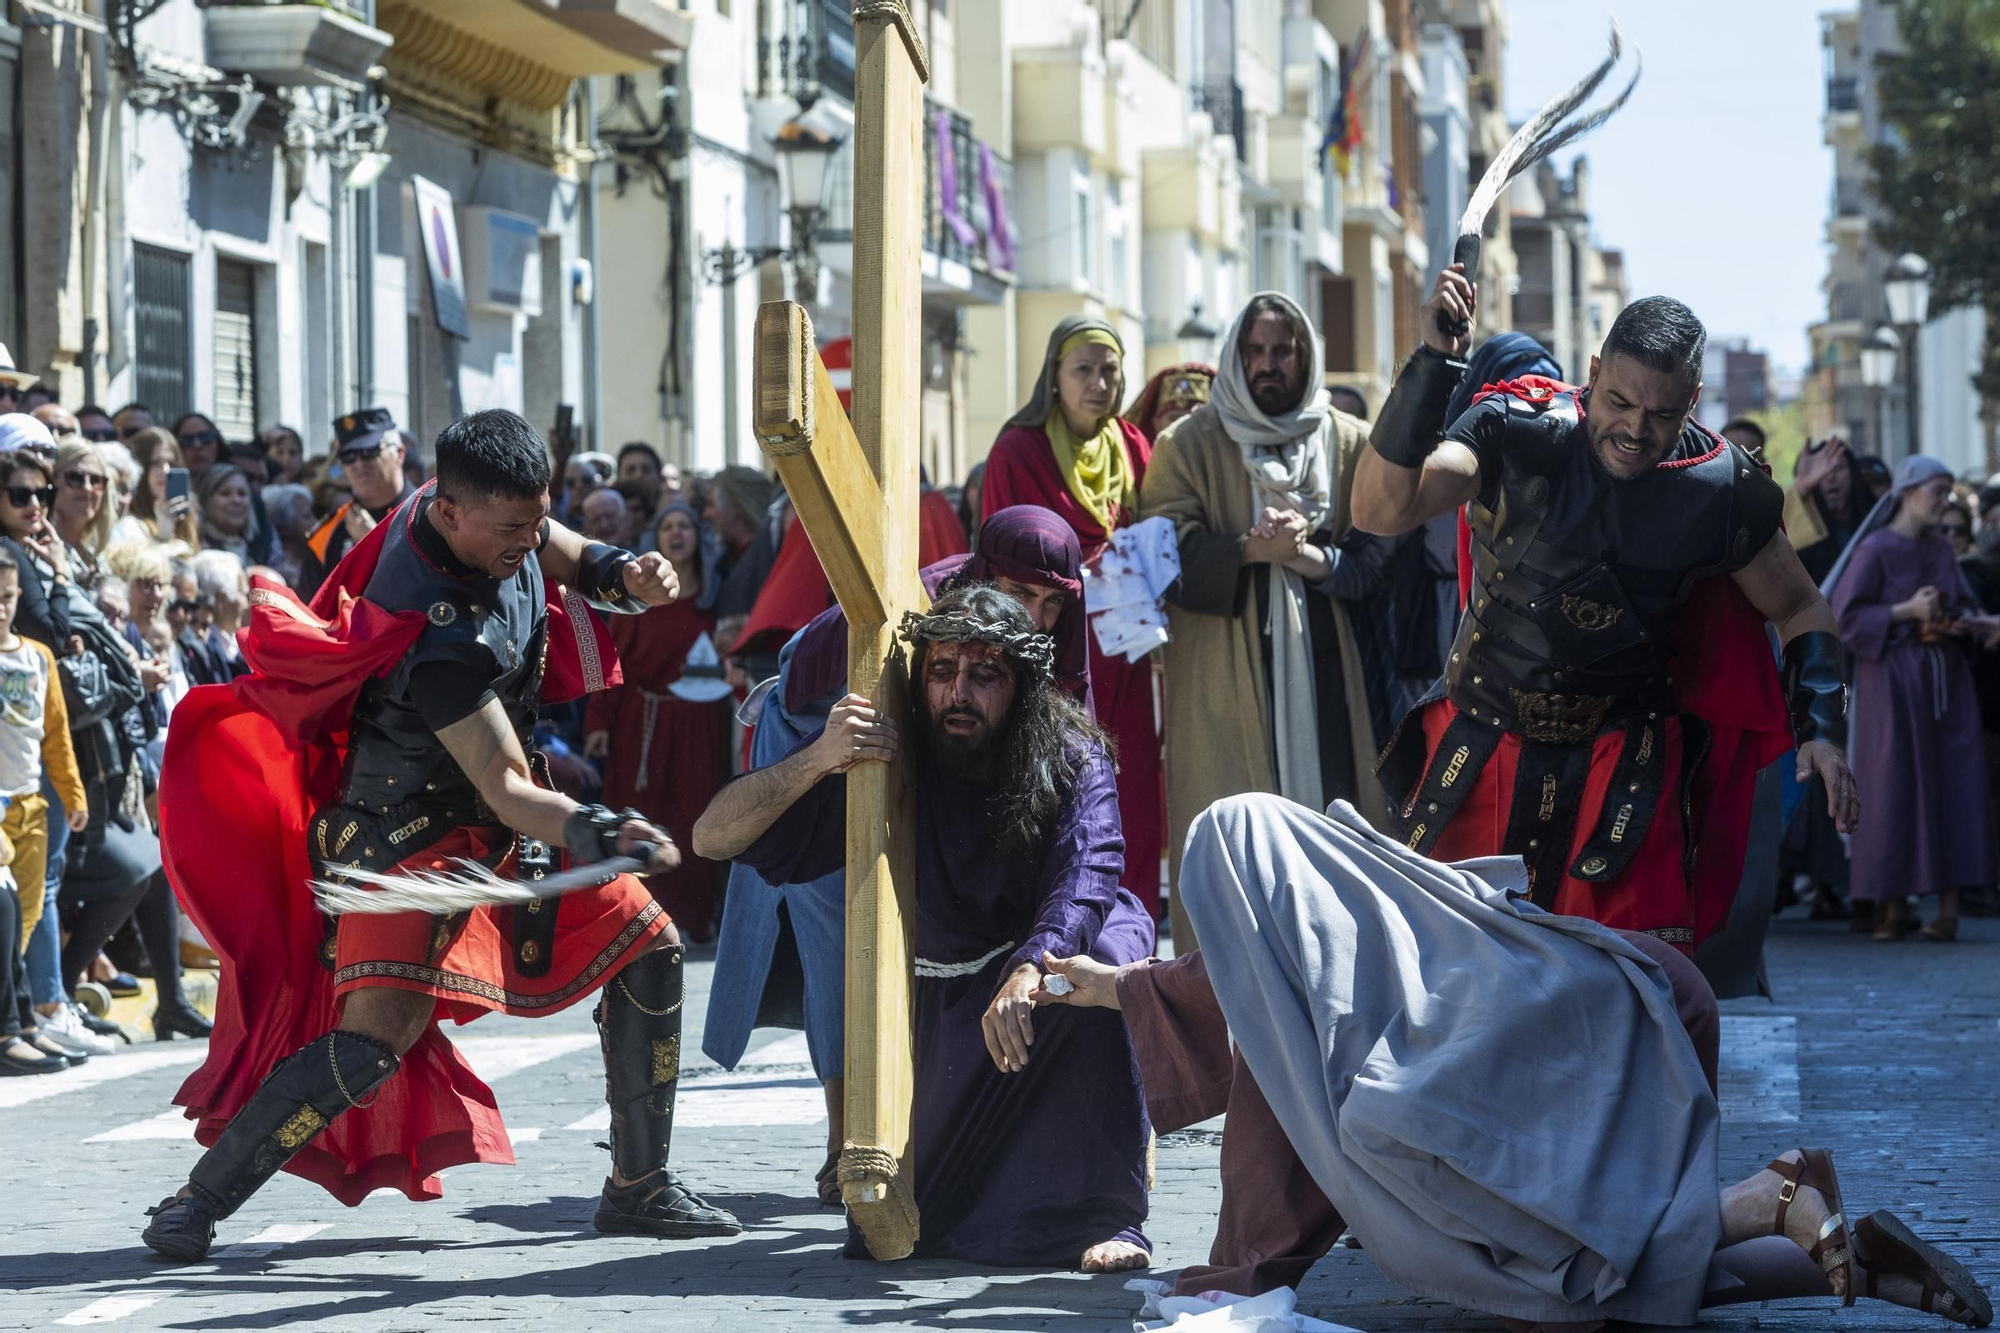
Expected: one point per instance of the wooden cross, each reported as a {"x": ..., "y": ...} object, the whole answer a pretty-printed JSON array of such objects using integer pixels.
[{"x": 855, "y": 489}]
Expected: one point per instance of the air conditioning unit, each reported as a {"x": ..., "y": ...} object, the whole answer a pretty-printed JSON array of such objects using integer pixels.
[
  {"x": 294, "y": 45},
  {"x": 502, "y": 253}
]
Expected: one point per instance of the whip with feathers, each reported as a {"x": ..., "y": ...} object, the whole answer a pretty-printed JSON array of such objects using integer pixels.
[
  {"x": 1544, "y": 134},
  {"x": 465, "y": 885}
]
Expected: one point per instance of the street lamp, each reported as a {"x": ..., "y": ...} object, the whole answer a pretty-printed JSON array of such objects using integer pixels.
[
  {"x": 1197, "y": 335},
  {"x": 1878, "y": 371},
  {"x": 1878, "y": 357},
  {"x": 1907, "y": 289},
  {"x": 804, "y": 156}
]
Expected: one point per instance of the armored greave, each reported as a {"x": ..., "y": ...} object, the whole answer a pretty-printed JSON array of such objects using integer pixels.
[
  {"x": 300, "y": 1097},
  {"x": 639, "y": 1027}
]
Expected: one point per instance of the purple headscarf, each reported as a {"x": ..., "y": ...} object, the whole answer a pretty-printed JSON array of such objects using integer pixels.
[{"x": 1025, "y": 543}]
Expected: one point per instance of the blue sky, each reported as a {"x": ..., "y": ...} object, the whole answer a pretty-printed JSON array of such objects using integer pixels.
[{"x": 1713, "y": 179}]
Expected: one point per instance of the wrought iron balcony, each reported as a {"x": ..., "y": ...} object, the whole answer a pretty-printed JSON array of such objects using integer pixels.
[
  {"x": 813, "y": 53},
  {"x": 968, "y": 189}
]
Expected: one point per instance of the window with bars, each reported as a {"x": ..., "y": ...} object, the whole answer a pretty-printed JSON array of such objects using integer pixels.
[
  {"x": 233, "y": 350},
  {"x": 163, "y": 332}
]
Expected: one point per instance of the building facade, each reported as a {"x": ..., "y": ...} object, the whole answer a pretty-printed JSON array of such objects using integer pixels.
[
  {"x": 235, "y": 227},
  {"x": 1570, "y": 289},
  {"x": 1949, "y": 422}
]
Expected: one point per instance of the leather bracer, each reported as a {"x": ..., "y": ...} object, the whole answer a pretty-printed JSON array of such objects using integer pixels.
[
  {"x": 1815, "y": 683},
  {"x": 1411, "y": 422}
]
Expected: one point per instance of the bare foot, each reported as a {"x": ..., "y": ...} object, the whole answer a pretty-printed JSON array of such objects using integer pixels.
[{"x": 1114, "y": 1256}]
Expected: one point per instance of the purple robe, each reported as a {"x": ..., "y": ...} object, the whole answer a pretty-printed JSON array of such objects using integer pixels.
[
  {"x": 1914, "y": 736},
  {"x": 1030, "y": 1168}
]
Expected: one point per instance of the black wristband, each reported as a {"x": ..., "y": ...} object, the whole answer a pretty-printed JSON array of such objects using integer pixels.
[
  {"x": 600, "y": 577},
  {"x": 591, "y": 832},
  {"x": 1411, "y": 422},
  {"x": 1815, "y": 682}
]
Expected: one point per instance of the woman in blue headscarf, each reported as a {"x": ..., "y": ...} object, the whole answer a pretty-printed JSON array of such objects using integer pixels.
[{"x": 1908, "y": 618}]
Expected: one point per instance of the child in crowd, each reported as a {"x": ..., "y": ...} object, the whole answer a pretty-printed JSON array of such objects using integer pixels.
[{"x": 34, "y": 732}]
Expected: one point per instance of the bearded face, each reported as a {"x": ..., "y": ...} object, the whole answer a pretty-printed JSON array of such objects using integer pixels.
[
  {"x": 1274, "y": 363},
  {"x": 968, "y": 689}
]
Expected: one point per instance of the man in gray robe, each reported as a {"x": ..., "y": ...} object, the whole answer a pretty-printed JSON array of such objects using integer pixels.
[{"x": 1514, "y": 1111}]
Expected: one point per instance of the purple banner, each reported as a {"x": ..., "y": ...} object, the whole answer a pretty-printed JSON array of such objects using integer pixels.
[
  {"x": 999, "y": 234},
  {"x": 948, "y": 182}
]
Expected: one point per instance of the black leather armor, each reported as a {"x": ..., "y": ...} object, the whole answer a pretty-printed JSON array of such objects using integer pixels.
[
  {"x": 1577, "y": 577},
  {"x": 498, "y": 625}
]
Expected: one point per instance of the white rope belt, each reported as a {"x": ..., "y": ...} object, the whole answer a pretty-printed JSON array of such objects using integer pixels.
[{"x": 927, "y": 968}]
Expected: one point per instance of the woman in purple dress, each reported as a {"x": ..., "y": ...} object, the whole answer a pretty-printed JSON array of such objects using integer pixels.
[{"x": 1911, "y": 622}]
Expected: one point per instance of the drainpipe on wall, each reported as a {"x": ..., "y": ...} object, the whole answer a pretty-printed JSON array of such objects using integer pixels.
[
  {"x": 363, "y": 207},
  {"x": 593, "y": 319}
]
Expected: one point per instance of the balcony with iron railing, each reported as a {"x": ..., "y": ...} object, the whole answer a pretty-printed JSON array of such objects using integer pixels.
[
  {"x": 813, "y": 52},
  {"x": 968, "y": 235}
]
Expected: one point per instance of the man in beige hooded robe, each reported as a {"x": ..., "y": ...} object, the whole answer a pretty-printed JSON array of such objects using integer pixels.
[{"x": 1264, "y": 691}]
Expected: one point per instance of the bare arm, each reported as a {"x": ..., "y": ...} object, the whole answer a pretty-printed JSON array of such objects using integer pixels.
[
  {"x": 742, "y": 811},
  {"x": 1391, "y": 500},
  {"x": 1781, "y": 590},
  {"x": 649, "y": 579},
  {"x": 485, "y": 747}
]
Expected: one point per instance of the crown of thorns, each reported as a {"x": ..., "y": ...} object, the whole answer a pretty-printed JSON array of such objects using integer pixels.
[{"x": 1036, "y": 651}]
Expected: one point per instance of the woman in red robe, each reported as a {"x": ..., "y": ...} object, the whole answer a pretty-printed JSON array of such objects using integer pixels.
[
  {"x": 1069, "y": 451},
  {"x": 672, "y": 750}
]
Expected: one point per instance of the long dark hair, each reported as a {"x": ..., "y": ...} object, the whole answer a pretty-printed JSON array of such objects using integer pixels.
[{"x": 1044, "y": 741}]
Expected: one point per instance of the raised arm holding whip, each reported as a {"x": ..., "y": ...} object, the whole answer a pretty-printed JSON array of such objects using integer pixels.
[{"x": 1605, "y": 693}]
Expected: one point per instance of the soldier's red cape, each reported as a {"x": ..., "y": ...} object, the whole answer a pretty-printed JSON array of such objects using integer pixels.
[
  {"x": 247, "y": 764},
  {"x": 1725, "y": 674}
]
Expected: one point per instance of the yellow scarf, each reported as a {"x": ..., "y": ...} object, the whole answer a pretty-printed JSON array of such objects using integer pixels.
[{"x": 1095, "y": 469}]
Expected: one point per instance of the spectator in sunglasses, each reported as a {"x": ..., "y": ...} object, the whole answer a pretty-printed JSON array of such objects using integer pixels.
[
  {"x": 285, "y": 453},
  {"x": 369, "y": 449},
  {"x": 201, "y": 443},
  {"x": 83, "y": 511},
  {"x": 130, "y": 419},
  {"x": 59, "y": 419},
  {"x": 94, "y": 424},
  {"x": 36, "y": 395},
  {"x": 1956, "y": 526},
  {"x": 27, "y": 494}
]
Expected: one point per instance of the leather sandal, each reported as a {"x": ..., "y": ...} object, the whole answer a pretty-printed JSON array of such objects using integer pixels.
[
  {"x": 1892, "y": 1249},
  {"x": 1944, "y": 930},
  {"x": 1831, "y": 1248}
]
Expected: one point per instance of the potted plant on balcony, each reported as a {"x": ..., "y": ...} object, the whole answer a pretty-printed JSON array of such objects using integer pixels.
[{"x": 294, "y": 44}]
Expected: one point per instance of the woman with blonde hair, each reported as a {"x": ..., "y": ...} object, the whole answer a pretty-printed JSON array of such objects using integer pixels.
[
  {"x": 153, "y": 516},
  {"x": 83, "y": 514}
]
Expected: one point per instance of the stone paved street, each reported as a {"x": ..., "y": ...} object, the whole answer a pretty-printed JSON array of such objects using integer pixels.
[{"x": 1886, "y": 1054}]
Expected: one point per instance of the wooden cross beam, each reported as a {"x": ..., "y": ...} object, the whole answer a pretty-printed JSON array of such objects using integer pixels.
[{"x": 855, "y": 490}]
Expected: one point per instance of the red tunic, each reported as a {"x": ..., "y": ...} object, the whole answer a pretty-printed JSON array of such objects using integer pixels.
[
  {"x": 1022, "y": 470},
  {"x": 247, "y": 766},
  {"x": 669, "y": 756}
]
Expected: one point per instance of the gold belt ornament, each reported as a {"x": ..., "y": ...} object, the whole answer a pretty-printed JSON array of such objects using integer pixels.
[{"x": 1560, "y": 719}]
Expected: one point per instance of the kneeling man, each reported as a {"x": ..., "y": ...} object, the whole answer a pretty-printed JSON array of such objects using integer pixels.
[{"x": 1030, "y": 1132}]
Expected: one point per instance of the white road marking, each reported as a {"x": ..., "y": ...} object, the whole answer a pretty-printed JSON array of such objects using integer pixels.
[
  {"x": 172, "y": 1124},
  {"x": 494, "y": 1058},
  {"x": 105, "y": 1309},
  {"x": 738, "y": 1100},
  {"x": 1759, "y": 1072},
  {"x": 101, "y": 1069},
  {"x": 271, "y": 1238},
  {"x": 790, "y": 1050},
  {"x": 528, "y": 1135}
]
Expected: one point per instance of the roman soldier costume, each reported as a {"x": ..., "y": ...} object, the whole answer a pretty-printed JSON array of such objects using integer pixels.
[
  {"x": 1608, "y": 697},
  {"x": 320, "y": 762}
]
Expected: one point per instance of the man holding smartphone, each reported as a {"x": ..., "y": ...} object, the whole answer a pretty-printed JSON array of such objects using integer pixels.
[{"x": 369, "y": 448}]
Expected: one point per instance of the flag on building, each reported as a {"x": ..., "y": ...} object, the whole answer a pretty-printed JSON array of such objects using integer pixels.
[{"x": 1343, "y": 124}]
